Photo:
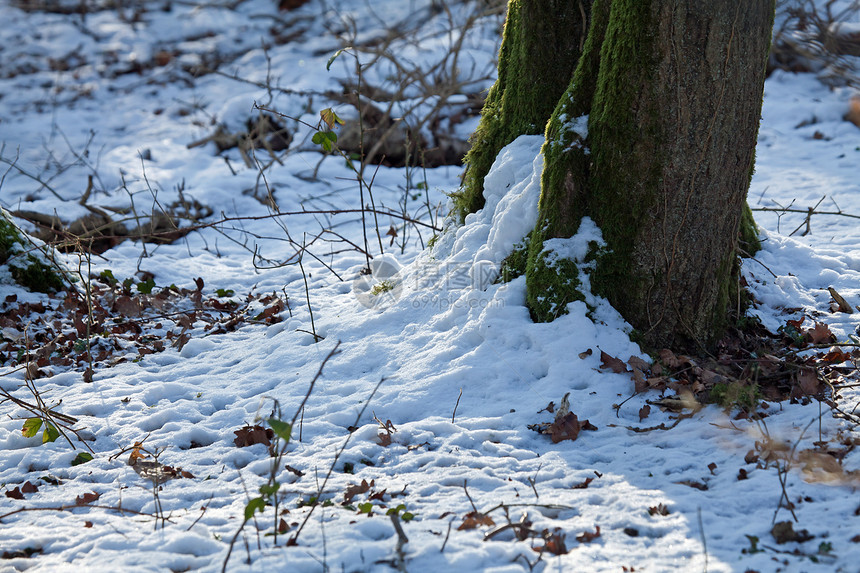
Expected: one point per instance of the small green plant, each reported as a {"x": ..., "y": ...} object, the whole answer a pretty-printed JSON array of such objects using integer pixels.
[
  {"x": 106, "y": 276},
  {"x": 736, "y": 395},
  {"x": 753, "y": 548},
  {"x": 792, "y": 330},
  {"x": 145, "y": 287},
  {"x": 327, "y": 138},
  {"x": 222, "y": 292},
  {"x": 82, "y": 458},
  {"x": 29, "y": 266},
  {"x": 405, "y": 516},
  {"x": 381, "y": 287},
  {"x": 33, "y": 425}
]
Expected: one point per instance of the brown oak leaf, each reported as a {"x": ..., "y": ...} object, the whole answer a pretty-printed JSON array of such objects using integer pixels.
[
  {"x": 473, "y": 519},
  {"x": 554, "y": 544},
  {"x": 820, "y": 334},
  {"x": 87, "y": 498},
  {"x": 589, "y": 536},
  {"x": 250, "y": 435},
  {"x": 565, "y": 428},
  {"x": 14, "y": 493},
  {"x": 353, "y": 490},
  {"x": 612, "y": 363},
  {"x": 583, "y": 484}
]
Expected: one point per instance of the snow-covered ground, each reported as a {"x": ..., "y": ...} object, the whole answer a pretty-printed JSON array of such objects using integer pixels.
[{"x": 428, "y": 388}]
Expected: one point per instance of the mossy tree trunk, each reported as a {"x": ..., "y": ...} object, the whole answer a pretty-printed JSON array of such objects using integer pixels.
[
  {"x": 541, "y": 45},
  {"x": 654, "y": 139}
]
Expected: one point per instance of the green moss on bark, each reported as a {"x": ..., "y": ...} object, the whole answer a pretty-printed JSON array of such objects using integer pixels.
[
  {"x": 748, "y": 234},
  {"x": 514, "y": 265},
  {"x": 625, "y": 170},
  {"x": 669, "y": 118},
  {"x": 573, "y": 177},
  {"x": 564, "y": 180},
  {"x": 559, "y": 284},
  {"x": 541, "y": 45}
]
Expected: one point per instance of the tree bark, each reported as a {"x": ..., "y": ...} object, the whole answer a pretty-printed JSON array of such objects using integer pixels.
[
  {"x": 673, "y": 158},
  {"x": 541, "y": 45},
  {"x": 654, "y": 139}
]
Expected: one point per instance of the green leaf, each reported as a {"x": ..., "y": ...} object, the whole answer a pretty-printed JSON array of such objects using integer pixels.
[
  {"x": 31, "y": 427},
  {"x": 50, "y": 434},
  {"x": 269, "y": 490},
  {"x": 281, "y": 429},
  {"x": 107, "y": 277},
  {"x": 146, "y": 286},
  {"x": 82, "y": 458},
  {"x": 335, "y": 56},
  {"x": 225, "y": 292},
  {"x": 395, "y": 510},
  {"x": 407, "y": 516},
  {"x": 325, "y": 138},
  {"x": 256, "y": 504},
  {"x": 366, "y": 507}
]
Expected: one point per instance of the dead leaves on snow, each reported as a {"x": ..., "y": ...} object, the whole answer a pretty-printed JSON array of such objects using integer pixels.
[
  {"x": 565, "y": 426},
  {"x": 249, "y": 435},
  {"x": 744, "y": 371},
  {"x": 147, "y": 466},
  {"x": 122, "y": 321}
]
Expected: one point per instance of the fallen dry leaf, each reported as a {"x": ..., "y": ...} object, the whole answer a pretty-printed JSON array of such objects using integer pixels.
[
  {"x": 807, "y": 381},
  {"x": 583, "y": 484},
  {"x": 612, "y": 363},
  {"x": 820, "y": 334},
  {"x": 783, "y": 532},
  {"x": 353, "y": 490},
  {"x": 638, "y": 364},
  {"x": 565, "y": 428},
  {"x": 853, "y": 114},
  {"x": 693, "y": 484},
  {"x": 669, "y": 359},
  {"x": 473, "y": 519},
  {"x": 835, "y": 356},
  {"x": 14, "y": 493},
  {"x": 554, "y": 543},
  {"x": 250, "y": 435},
  {"x": 658, "y": 509},
  {"x": 640, "y": 383},
  {"x": 589, "y": 536},
  {"x": 87, "y": 498}
]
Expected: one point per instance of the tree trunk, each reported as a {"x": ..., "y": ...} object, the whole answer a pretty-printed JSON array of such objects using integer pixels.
[
  {"x": 540, "y": 49},
  {"x": 655, "y": 140}
]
